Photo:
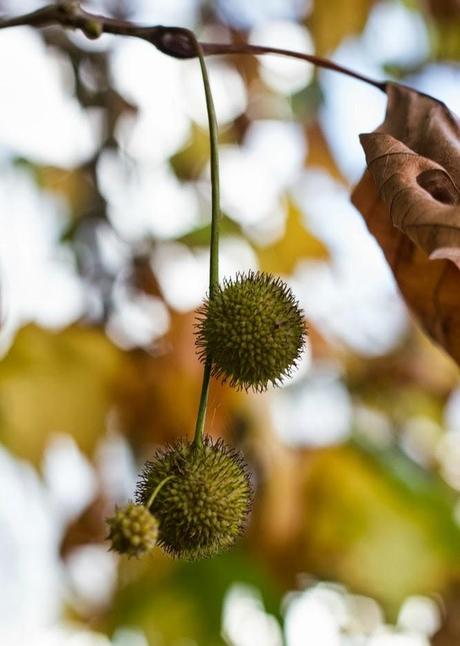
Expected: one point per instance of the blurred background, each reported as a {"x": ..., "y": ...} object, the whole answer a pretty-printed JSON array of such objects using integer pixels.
[{"x": 105, "y": 204}]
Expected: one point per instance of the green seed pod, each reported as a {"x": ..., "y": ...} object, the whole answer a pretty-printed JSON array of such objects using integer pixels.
[
  {"x": 204, "y": 507},
  {"x": 133, "y": 530},
  {"x": 253, "y": 331}
]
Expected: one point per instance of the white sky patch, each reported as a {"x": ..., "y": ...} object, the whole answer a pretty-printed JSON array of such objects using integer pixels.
[
  {"x": 441, "y": 81},
  {"x": 452, "y": 411},
  {"x": 420, "y": 614},
  {"x": 365, "y": 616},
  {"x": 236, "y": 255},
  {"x": 114, "y": 252},
  {"x": 327, "y": 615},
  {"x": 244, "y": 620},
  {"x": 248, "y": 191},
  {"x": 269, "y": 230},
  {"x": 355, "y": 298},
  {"x": 315, "y": 411},
  {"x": 153, "y": 82},
  {"x": 11, "y": 6},
  {"x": 228, "y": 91},
  {"x": 146, "y": 200},
  {"x": 137, "y": 319},
  {"x": 115, "y": 465},
  {"x": 350, "y": 107},
  {"x": 181, "y": 13},
  {"x": 280, "y": 145},
  {"x": 39, "y": 279},
  {"x": 91, "y": 576},
  {"x": 39, "y": 117},
  {"x": 183, "y": 274},
  {"x": 257, "y": 175},
  {"x": 346, "y": 308},
  {"x": 64, "y": 634},
  {"x": 30, "y": 591},
  {"x": 69, "y": 477},
  {"x": 394, "y": 33},
  {"x": 315, "y": 617},
  {"x": 390, "y": 637},
  {"x": 281, "y": 73},
  {"x": 248, "y": 14},
  {"x": 304, "y": 366},
  {"x": 60, "y": 299}
]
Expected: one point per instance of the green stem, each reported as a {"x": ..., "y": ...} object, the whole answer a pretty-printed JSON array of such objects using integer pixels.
[
  {"x": 214, "y": 244},
  {"x": 201, "y": 415},
  {"x": 156, "y": 491},
  {"x": 215, "y": 183}
]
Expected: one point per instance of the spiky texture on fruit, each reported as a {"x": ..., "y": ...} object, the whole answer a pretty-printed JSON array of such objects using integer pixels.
[
  {"x": 133, "y": 530},
  {"x": 253, "y": 331},
  {"x": 204, "y": 508}
]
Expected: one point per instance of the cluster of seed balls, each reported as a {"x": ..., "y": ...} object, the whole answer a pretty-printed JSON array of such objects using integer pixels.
[{"x": 252, "y": 331}]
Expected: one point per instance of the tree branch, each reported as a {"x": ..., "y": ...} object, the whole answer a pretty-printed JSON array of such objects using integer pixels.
[
  {"x": 256, "y": 50},
  {"x": 172, "y": 41}
]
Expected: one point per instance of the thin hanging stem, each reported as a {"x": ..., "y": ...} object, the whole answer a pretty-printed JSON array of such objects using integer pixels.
[
  {"x": 214, "y": 244},
  {"x": 215, "y": 183},
  {"x": 157, "y": 490}
]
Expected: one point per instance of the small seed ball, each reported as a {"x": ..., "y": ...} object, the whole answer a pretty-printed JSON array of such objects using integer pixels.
[
  {"x": 253, "y": 331},
  {"x": 133, "y": 530},
  {"x": 203, "y": 509}
]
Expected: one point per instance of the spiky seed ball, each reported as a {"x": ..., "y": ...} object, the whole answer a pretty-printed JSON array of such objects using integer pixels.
[
  {"x": 133, "y": 530},
  {"x": 253, "y": 330},
  {"x": 204, "y": 508}
]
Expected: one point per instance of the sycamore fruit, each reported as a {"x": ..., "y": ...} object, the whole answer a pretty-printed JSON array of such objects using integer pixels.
[
  {"x": 252, "y": 330},
  {"x": 203, "y": 507}
]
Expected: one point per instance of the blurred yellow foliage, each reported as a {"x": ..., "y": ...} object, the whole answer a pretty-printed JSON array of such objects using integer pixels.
[
  {"x": 57, "y": 382},
  {"x": 333, "y": 20},
  {"x": 296, "y": 244}
]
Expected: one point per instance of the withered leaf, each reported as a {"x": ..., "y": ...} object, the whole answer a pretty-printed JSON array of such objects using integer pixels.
[{"x": 410, "y": 199}]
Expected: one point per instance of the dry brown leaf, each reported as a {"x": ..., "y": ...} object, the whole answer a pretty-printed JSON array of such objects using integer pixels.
[{"x": 410, "y": 199}]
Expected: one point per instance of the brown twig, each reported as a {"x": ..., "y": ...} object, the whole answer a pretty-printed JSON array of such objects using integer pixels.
[
  {"x": 173, "y": 41},
  {"x": 256, "y": 50}
]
